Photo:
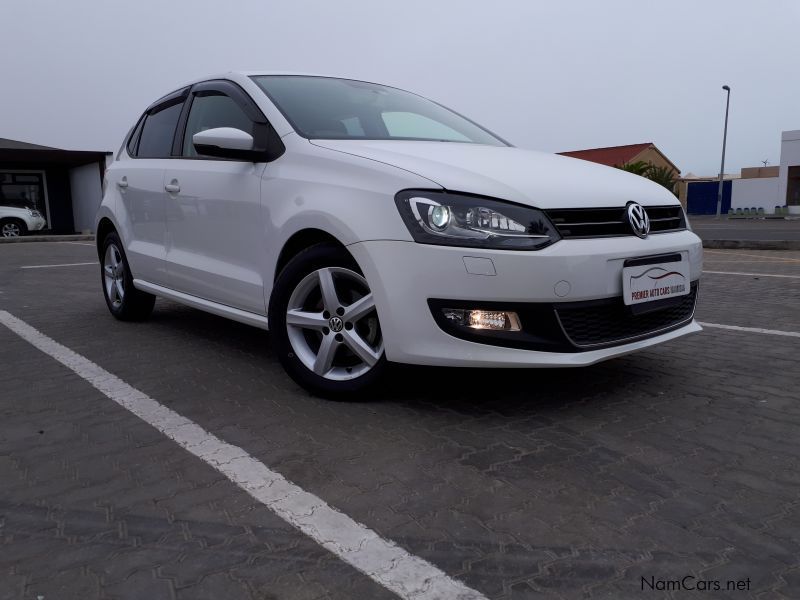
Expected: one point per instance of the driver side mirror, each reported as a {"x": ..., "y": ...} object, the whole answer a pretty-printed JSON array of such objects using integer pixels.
[{"x": 227, "y": 142}]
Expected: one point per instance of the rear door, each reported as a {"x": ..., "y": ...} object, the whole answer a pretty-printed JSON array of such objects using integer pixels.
[
  {"x": 140, "y": 180},
  {"x": 215, "y": 247}
]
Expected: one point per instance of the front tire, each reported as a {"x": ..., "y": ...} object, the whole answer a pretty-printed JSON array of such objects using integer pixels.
[
  {"x": 324, "y": 325},
  {"x": 124, "y": 301},
  {"x": 13, "y": 228}
]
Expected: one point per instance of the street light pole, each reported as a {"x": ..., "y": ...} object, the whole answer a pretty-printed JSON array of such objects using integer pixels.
[{"x": 724, "y": 141}]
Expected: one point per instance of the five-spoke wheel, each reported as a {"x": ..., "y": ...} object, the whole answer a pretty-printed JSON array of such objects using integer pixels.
[
  {"x": 332, "y": 324},
  {"x": 324, "y": 323},
  {"x": 124, "y": 301},
  {"x": 114, "y": 275}
]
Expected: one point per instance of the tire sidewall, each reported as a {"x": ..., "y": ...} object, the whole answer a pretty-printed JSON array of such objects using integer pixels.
[{"x": 308, "y": 261}]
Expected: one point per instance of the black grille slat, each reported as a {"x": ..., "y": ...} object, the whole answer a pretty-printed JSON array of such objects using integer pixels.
[
  {"x": 612, "y": 323},
  {"x": 611, "y": 222}
]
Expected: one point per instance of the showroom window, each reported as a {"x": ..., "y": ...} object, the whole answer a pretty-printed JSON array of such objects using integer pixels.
[{"x": 23, "y": 189}]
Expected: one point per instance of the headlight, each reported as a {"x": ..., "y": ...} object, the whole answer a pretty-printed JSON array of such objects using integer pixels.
[{"x": 461, "y": 220}]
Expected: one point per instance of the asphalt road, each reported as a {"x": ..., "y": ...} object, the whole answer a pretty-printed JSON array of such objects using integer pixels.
[
  {"x": 677, "y": 464},
  {"x": 709, "y": 228}
]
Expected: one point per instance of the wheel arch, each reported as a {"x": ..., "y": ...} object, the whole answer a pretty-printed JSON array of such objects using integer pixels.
[
  {"x": 299, "y": 241},
  {"x": 12, "y": 219},
  {"x": 104, "y": 227}
]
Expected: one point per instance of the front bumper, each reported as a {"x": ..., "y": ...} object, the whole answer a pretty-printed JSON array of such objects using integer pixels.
[
  {"x": 405, "y": 276},
  {"x": 36, "y": 223}
]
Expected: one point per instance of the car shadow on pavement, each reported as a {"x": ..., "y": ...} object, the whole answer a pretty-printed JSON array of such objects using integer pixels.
[{"x": 433, "y": 389}]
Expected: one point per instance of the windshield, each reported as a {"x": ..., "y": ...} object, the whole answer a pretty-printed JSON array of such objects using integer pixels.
[{"x": 343, "y": 109}]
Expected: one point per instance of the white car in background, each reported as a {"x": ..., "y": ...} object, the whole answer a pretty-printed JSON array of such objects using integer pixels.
[
  {"x": 16, "y": 221},
  {"x": 362, "y": 225}
]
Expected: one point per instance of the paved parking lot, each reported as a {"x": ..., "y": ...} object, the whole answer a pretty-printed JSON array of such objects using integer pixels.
[
  {"x": 614, "y": 481},
  {"x": 711, "y": 228}
]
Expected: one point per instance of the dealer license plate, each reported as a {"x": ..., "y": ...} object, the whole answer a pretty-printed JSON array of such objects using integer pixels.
[{"x": 654, "y": 280}]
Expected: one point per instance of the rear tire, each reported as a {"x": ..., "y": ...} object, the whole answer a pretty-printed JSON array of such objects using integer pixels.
[
  {"x": 124, "y": 301},
  {"x": 324, "y": 325},
  {"x": 13, "y": 227}
]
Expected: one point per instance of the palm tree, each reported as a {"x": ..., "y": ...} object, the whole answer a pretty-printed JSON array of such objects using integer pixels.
[
  {"x": 663, "y": 176},
  {"x": 639, "y": 167}
]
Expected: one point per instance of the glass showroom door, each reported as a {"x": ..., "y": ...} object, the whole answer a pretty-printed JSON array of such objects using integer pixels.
[{"x": 24, "y": 190}]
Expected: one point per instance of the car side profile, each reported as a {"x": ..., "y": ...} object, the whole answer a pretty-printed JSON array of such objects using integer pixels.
[
  {"x": 19, "y": 220},
  {"x": 365, "y": 225}
]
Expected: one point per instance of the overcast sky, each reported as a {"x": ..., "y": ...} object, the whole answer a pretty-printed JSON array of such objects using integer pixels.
[{"x": 551, "y": 75}]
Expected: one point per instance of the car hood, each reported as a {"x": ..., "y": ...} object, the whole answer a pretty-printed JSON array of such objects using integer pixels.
[{"x": 528, "y": 177}]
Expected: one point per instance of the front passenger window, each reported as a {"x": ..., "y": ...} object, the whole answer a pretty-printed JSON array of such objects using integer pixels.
[{"x": 210, "y": 112}]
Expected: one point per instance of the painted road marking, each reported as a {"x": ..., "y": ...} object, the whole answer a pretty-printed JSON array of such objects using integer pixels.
[
  {"x": 767, "y": 256},
  {"x": 751, "y": 329},
  {"x": 752, "y": 274},
  {"x": 62, "y": 265},
  {"x": 408, "y": 576},
  {"x": 78, "y": 243}
]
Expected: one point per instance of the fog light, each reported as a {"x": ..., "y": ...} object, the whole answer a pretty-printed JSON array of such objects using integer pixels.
[{"x": 494, "y": 320}]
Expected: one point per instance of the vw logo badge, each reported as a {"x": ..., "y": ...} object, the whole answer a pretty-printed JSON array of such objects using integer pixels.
[
  {"x": 638, "y": 219},
  {"x": 336, "y": 324}
]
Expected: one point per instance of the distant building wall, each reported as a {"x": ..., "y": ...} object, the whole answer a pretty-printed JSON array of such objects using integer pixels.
[
  {"x": 756, "y": 193},
  {"x": 753, "y": 172},
  {"x": 87, "y": 193},
  {"x": 701, "y": 197},
  {"x": 790, "y": 157}
]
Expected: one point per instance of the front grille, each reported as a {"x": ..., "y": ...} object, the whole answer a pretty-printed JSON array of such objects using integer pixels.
[
  {"x": 610, "y": 222},
  {"x": 596, "y": 324}
]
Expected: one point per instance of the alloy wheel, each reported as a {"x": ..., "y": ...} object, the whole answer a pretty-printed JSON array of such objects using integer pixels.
[
  {"x": 11, "y": 230},
  {"x": 332, "y": 324},
  {"x": 114, "y": 275}
]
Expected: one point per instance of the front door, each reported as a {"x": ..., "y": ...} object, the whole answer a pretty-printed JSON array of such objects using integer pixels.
[{"x": 215, "y": 235}]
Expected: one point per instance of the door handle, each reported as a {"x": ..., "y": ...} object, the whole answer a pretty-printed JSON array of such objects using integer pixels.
[
  {"x": 122, "y": 183},
  {"x": 173, "y": 187}
]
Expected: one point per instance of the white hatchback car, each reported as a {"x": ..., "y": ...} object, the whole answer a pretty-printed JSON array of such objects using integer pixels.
[
  {"x": 19, "y": 220},
  {"x": 364, "y": 225}
]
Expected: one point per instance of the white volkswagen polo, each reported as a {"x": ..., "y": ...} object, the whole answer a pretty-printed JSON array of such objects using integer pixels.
[{"x": 364, "y": 225}]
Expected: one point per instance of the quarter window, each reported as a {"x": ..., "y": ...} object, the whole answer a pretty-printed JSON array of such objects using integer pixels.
[
  {"x": 158, "y": 132},
  {"x": 210, "y": 112}
]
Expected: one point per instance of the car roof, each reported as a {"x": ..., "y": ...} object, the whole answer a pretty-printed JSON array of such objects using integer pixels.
[{"x": 236, "y": 74}]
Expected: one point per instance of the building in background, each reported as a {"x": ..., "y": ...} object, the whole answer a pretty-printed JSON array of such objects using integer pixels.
[
  {"x": 789, "y": 176},
  {"x": 616, "y": 156},
  {"x": 65, "y": 186},
  {"x": 704, "y": 191},
  {"x": 756, "y": 188}
]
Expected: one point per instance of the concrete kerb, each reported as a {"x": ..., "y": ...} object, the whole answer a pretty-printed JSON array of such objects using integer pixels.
[{"x": 47, "y": 238}]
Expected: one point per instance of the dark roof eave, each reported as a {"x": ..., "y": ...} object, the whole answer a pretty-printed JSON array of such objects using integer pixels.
[{"x": 71, "y": 158}]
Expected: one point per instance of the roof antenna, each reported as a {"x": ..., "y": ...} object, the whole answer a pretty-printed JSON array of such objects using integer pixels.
[{"x": 766, "y": 162}]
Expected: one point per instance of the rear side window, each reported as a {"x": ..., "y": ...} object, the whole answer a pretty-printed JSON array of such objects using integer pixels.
[
  {"x": 158, "y": 132},
  {"x": 210, "y": 112}
]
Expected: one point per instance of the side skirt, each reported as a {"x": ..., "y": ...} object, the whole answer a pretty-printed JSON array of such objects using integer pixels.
[{"x": 214, "y": 308}]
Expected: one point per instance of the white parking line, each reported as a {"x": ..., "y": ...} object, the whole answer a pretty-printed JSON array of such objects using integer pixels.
[
  {"x": 751, "y": 329},
  {"x": 752, "y": 274},
  {"x": 78, "y": 243},
  {"x": 764, "y": 256},
  {"x": 408, "y": 576},
  {"x": 63, "y": 265}
]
